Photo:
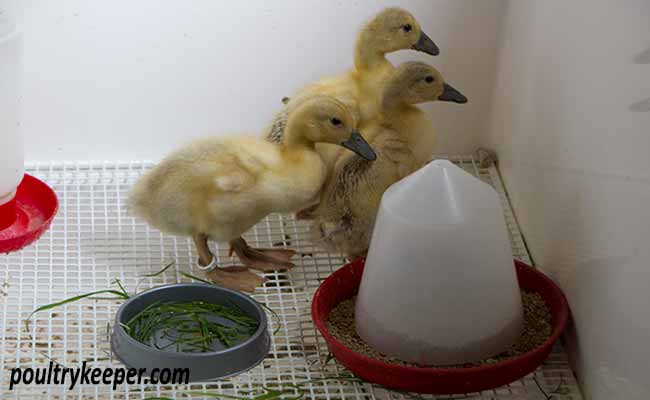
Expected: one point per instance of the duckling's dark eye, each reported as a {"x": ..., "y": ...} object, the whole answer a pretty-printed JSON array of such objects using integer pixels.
[
  {"x": 429, "y": 79},
  {"x": 335, "y": 121},
  {"x": 407, "y": 28}
]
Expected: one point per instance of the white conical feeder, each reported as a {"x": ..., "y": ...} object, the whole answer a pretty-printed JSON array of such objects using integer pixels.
[{"x": 439, "y": 285}]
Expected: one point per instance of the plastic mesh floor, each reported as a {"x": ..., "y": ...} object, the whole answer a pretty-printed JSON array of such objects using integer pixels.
[{"x": 93, "y": 241}]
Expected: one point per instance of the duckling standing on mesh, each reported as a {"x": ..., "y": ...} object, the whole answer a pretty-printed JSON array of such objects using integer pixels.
[
  {"x": 218, "y": 188},
  {"x": 401, "y": 135}
]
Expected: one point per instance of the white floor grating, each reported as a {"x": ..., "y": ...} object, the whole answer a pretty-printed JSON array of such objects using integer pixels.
[{"x": 93, "y": 241}]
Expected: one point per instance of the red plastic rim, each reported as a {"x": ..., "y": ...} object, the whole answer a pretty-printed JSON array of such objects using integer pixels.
[
  {"x": 344, "y": 283},
  {"x": 36, "y": 205},
  {"x": 8, "y": 214}
]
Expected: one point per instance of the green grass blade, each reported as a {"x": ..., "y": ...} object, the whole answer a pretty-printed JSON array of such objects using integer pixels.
[
  {"x": 275, "y": 315},
  {"x": 216, "y": 395},
  {"x": 162, "y": 271},
  {"x": 119, "y": 284},
  {"x": 196, "y": 278},
  {"x": 118, "y": 296},
  {"x": 158, "y": 398},
  {"x": 281, "y": 392}
]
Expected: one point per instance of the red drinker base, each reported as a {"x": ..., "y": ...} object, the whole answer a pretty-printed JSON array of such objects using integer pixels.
[{"x": 24, "y": 219}]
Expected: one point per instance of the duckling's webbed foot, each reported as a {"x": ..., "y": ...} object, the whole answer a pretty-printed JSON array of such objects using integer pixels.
[
  {"x": 262, "y": 259},
  {"x": 236, "y": 278}
]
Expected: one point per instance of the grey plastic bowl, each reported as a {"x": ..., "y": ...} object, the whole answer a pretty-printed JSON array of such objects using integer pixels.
[{"x": 202, "y": 366}]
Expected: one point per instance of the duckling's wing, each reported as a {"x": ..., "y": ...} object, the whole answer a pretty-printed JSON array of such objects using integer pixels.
[
  {"x": 236, "y": 182},
  {"x": 399, "y": 152},
  {"x": 234, "y": 178}
]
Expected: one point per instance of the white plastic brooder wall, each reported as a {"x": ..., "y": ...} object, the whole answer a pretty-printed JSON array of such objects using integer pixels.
[
  {"x": 571, "y": 123},
  {"x": 126, "y": 79}
]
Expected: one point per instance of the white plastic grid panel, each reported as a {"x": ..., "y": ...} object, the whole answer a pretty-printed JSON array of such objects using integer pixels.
[{"x": 93, "y": 240}]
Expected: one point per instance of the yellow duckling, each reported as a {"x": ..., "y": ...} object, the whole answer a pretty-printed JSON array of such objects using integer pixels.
[
  {"x": 391, "y": 30},
  {"x": 344, "y": 219},
  {"x": 218, "y": 188}
]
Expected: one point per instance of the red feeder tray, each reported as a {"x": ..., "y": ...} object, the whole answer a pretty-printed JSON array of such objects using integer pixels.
[
  {"x": 344, "y": 283},
  {"x": 24, "y": 219}
]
